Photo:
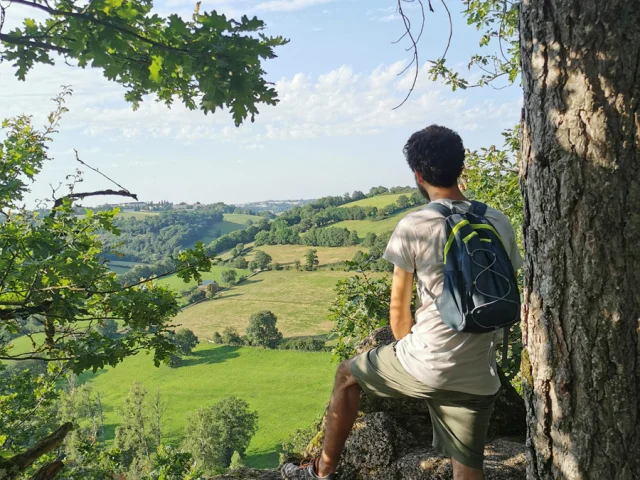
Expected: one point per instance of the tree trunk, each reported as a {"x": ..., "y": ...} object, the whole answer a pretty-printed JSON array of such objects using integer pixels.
[{"x": 581, "y": 185}]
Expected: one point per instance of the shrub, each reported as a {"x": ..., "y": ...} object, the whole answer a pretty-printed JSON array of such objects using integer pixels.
[
  {"x": 197, "y": 296},
  {"x": 236, "y": 461},
  {"x": 230, "y": 336},
  {"x": 240, "y": 263},
  {"x": 229, "y": 277},
  {"x": 262, "y": 330},
  {"x": 303, "y": 345},
  {"x": 217, "y": 338},
  {"x": 185, "y": 341}
]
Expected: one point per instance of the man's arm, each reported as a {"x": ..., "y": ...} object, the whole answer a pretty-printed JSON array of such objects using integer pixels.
[{"x": 401, "y": 291}]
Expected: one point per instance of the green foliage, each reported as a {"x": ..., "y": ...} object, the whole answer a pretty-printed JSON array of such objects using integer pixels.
[
  {"x": 212, "y": 434},
  {"x": 211, "y": 289},
  {"x": 498, "y": 22},
  {"x": 217, "y": 338},
  {"x": 108, "y": 328},
  {"x": 261, "y": 260},
  {"x": 230, "y": 336},
  {"x": 229, "y": 277},
  {"x": 311, "y": 260},
  {"x": 197, "y": 296},
  {"x": 27, "y": 402},
  {"x": 361, "y": 306},
  {"x": 241, "y": 263},
  {"x": 262, "y": 330},
  {"x": 298, "y": 442},
  {"x": 303, "y": 345},
  {"x": 185, "y": 341},
  {"x": 172, "y": 464},
  {"x": 209, "y": 58},
  {"x": 133, "y": 437},
  {"x": 82, "y": 406},
  {"x": 491, "y": 175},
  {"x": 369, "y": 240},
  {"x": 236, "y": 462},
  {"x": 50, "y": 269}
]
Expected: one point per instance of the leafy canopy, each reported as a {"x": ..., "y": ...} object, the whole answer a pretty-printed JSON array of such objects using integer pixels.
[
  {"x": 207, "y": 62},
  {"x": 51, "y": 272}
]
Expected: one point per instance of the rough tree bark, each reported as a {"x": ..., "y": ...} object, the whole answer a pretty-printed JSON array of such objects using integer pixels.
[{"x": 581, "y": 184}]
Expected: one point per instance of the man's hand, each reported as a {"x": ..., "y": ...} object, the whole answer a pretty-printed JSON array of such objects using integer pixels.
[{"x": 400, "y": 314}]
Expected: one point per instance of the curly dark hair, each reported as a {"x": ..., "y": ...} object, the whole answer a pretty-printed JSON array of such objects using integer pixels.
[{"x": 437, "y": 153}]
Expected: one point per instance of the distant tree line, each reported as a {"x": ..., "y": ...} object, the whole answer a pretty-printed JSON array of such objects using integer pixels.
[
  {"x": 158, "y": 237},
  {"x": 263, "y": 332}
]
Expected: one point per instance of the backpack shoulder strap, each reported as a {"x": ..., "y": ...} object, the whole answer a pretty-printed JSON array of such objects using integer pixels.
[
  {"x": 440, "y": 208},
  {"x": 478, "y": 208}
]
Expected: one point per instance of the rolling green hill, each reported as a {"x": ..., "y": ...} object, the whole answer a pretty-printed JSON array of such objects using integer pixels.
[
  {"x": 231, "y": 222},
  {"x": 375, "y": 226},
  {"x": 268, "y": 380},
  {"x": 300, "y": 300},
  {"x": 178, "y": 284},
  {"x": 379, "y": 201},
  {"x": 288, "y": 254}
]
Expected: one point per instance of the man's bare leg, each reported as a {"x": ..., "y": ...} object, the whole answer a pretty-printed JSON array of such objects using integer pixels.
[
  {"x": 462, "y": 472},
  {"x": 342, "y": 413}
]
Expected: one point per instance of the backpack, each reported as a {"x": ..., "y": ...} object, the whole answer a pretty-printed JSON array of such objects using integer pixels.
[{"x": 480, "y": 292}]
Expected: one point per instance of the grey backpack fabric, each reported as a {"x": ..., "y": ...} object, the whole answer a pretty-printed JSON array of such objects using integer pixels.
[{"x": 480, "y": 292}]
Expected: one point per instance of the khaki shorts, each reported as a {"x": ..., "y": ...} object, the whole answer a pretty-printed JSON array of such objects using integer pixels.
[{"x": 460, "y": 420}]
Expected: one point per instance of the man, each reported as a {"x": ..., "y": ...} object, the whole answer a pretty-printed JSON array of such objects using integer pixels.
[{"x": 453, "y": 371}]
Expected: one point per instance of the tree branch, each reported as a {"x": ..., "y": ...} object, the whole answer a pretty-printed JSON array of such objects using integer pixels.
[
  {"x": 20, "y": 462},
  {"x": 80, "y": 196},
  {"x": 99, "y": 172},
  {"x": 83, "y": 15},
  {"x": 29, "y": 42}
]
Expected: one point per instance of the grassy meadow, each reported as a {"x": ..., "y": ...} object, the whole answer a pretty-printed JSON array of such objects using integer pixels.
[
  {"x": 375, "y": 226},
  {"x": 268, "y": 380},
  {"x": 379, "y": 201},
  {"x": 288, "y": 254},
  {"x": 300, "y": 300},
  {"x": 230, "y": 223},
  {"x": 215, "y": 274}
]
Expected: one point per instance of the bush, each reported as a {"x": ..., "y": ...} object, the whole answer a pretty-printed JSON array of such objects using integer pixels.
[
  {"x": 185, "y": 341},
  {"x": 277, "y": 266},
  {"x": 262, "y": 330},
  {"x": 299, "y": 441},
  {"x": 303, "y": 345},
  {"x": 229, "y": 277},
  {"x": 240, "y": 263},
  {"x": 197, "y": 296},
  {"x": 217, "y": 338},
  {"x": 230, "y": 336},
  {"x": 236, "y": 461}
]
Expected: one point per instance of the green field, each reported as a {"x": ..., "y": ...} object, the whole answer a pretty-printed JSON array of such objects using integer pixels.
[
  {"x": 300, "y": 300},
  {"x": 231, "y": 222},
  {"x": 288, "y": 254},
  {"x": 179, "y": 285},
  {"x": 379, "y": 201},
  {"x": 375, "y": 226},
  {"x": 288, "y": 390}
]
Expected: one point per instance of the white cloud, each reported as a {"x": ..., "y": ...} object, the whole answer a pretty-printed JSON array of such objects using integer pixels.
[
  {"x": 289, "y": 5},
  {"x": 338, "y": 103},
  {"x": 389, "y": 18}
]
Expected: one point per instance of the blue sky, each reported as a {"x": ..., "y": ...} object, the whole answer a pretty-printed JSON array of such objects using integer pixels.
[{"x": 334, "y": 130}]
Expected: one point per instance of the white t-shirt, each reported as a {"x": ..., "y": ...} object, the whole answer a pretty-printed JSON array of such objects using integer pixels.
[{"x": 433, "y": 353}]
